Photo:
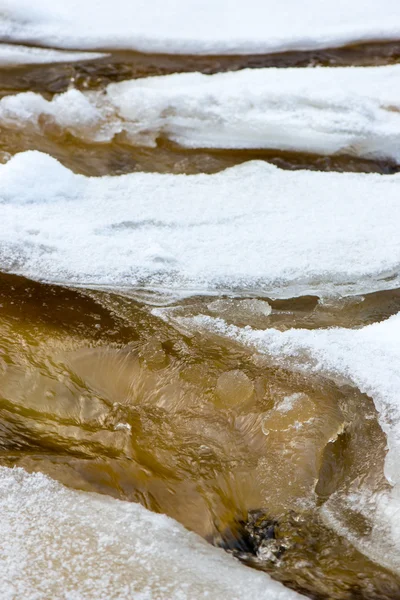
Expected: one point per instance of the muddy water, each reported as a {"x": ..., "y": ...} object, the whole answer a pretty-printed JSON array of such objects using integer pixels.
[
  {"x": 104, "y": 396},
  {"x": 118, "y": 158}
]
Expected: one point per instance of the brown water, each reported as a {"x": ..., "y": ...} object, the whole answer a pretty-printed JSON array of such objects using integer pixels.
[
  {"x": 101, "y": 394},
  {"x": 119, "y": 66},
  {"x": 117, "y": 158}
]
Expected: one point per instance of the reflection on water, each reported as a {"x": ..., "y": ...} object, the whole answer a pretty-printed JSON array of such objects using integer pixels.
[
  {"x": 118, "y": 66},
  {"x": 101, "y": 394}
]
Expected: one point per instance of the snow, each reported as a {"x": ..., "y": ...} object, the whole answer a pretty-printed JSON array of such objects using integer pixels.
[
  {"x": 199, "y": 26},
  {"x": 63, "y": 544},
  {"x": 250, "y": 228},
  {"x": 12, "y": 55},
  {"x": 322, "y": 111},
  {"x": 354, "y": 111}
]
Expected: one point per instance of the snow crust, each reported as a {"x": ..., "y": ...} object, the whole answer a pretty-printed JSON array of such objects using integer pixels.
[
  {"x": 13, "y": 54},
  {"x": 199, "y": 26},
  {"x": 325, "y": 111},
  {"x": 63, "y": 544},
  {"x": 252, "y": 227}
]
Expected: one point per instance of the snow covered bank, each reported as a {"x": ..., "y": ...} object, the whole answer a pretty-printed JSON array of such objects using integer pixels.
[
  {"x": 199, "y": 26},
  {"x": 252, "y": 227},
  {"x": 12, "y": 55},
  {"x": 326, "y": 111},
  {"x": 58, "y": 543}
]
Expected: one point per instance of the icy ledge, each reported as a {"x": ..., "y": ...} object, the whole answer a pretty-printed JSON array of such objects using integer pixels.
[
  {"x": 12, "y": 55},
  {"x": 199, "y": 26},
  {"x": 368, "y": 358},
  {"x": 58, "y": 543},
  {"x": 326, "y": 111},
  {"x": 252, "y": 227}
]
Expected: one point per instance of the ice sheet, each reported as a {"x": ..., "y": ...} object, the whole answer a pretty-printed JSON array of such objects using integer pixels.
[
  {"x": 62, "y": 544},
  {"x": 199, "y": 26},
  {"x": 253, "y": 227},
  {"x": 12, "y": 55}
]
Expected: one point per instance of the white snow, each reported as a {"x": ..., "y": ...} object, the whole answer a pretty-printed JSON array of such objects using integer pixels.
[
  {"x": 199, "y": 26},
  {"x": 252, "y": 227},
  {"x": 325, "y": 111},
  {"x": 68, "y": 545},
  {"x": 12, "y": 55}
]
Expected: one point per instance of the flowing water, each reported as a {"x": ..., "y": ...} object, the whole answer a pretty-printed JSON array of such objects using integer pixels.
[
  {"x": 118, "y": 66},
  {"x": 104, "y": 393},
  {"x": 118, "y": 158}
]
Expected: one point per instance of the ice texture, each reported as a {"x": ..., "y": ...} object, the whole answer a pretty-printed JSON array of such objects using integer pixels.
[
  {"x": 251, "y": 227},
  {"x": 63, "y": 544},
  {"x": 13, "y": 54},
  {"x": 199, "y": 26}
]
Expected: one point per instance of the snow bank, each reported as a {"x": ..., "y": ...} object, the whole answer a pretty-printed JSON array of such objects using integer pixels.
[
  {"x": 199, "y": 26},
  {"x": 12, "y": 55},
  {"x": 252, "y": 227},
  {"x": 325, "y": 111},
  {"x": 58, "y": 543}
]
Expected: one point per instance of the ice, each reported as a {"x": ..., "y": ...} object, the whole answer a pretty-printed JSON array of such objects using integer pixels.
[
  {"x": 252, "y": 227},
  {"x": 12, "y": 55},
  {"x": 326, "y": 111},
  {"x": 63, "y": 544},
  {"x": 199, "y": 26}
]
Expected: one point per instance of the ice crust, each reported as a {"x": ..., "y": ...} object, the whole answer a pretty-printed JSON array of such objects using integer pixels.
[
  {"x": 252, "y": 227},
  {"x": 68, "y": 545},
  {"x": 12, "y": 55},
  {"x": 199, "y": 26},
  {"x": 354, "y": 111}
]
